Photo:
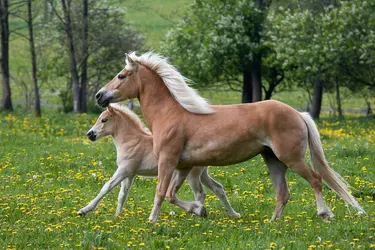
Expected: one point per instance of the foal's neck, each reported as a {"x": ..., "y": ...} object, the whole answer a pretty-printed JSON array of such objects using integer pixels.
[{"x": 127, "y": 134}]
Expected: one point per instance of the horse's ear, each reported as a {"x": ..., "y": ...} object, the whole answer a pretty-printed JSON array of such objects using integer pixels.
[{"x": 128, "y": 59}]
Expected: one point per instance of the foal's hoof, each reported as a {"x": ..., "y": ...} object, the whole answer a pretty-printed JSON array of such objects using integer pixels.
[
  {"x": 200, "y": 211},
  {"x": 235, "y": 215},
  {"x": 81, "y": 212},
  {"x": 203, "y": 212},
  {"x": 326, "y": 215}
]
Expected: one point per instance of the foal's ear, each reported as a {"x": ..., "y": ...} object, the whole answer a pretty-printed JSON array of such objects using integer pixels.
[{"x": 110, "y": 109}]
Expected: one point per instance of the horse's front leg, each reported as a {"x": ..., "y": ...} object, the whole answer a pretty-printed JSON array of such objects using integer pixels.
[
  {"x": 118, "y": 176},
  {"x": 166, "y": 166}
]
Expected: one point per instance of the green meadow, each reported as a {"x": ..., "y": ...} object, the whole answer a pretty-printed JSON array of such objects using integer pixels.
[{"x": 49, "y": 170}]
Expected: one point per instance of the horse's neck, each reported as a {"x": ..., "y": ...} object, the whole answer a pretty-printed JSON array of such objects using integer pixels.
[{"x": 156, "y": 101}]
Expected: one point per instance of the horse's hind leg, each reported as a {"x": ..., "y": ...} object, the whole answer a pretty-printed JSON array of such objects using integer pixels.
[
  {"x": 314, "y": 179},
  {"x": 277, "y": 171}
]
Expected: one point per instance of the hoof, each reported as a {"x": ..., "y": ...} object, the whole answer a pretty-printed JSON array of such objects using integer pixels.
[
  {"x": 199, "y": 210},
  {"x": 81, "y": 212},
  {"x": 203, "y": 212},
  {"x": 326, "y": 215},
  {"x": 235, "y": 215},
  {"x": 152, "y": 219}
]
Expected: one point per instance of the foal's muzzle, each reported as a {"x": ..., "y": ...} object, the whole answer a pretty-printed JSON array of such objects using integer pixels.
[
  {"x": 91, "y": 135},
  {"x": 103, "y": 98}
]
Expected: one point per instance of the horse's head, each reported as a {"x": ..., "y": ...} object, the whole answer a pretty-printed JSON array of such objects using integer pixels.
[
  {"x": 124, "y": 85},
  {"x": 104, "y": 126}
]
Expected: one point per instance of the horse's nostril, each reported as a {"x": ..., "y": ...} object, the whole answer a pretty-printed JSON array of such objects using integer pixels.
[
  {"x": 89, "y": 133},
  {"x": 98, "y": 96}
]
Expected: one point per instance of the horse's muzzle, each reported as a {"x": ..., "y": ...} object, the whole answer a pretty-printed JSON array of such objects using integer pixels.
[
  {"x": 91, "y": 135},
  {"x": 102, "y": 99}
]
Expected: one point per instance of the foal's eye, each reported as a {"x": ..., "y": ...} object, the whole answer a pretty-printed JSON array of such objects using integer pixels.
[
  {"x": 121, "y": 77},
  {"x": 104, "y": 120}
]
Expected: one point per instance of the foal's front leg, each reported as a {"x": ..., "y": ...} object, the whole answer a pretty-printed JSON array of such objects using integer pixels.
[{"x": 118, "y": 176}]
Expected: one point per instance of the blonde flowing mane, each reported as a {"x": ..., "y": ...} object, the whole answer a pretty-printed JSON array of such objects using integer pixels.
[
  {"x": 132, "y": 116},
  {"x": 186, "y": 96}
]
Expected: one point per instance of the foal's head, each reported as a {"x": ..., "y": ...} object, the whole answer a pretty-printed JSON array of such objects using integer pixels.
[
  {"x": 117, "y": 119},
  {"x": 124, "y": 86},
  {"x": 104, "y": 126}
]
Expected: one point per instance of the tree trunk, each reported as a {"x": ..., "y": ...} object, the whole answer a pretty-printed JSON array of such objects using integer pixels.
[
  {"x": 256, "y": 78},
  {"x": 85, "y": 56},
  {"x": 247, "y": 93},
  {"x": 257, "y": 59},
  {"x": 33, "y": 60},
  {"x": 7, "y": 99},
  {"x": 72, "y": 57},
  {"x": 317, "y": 99},
  {"x": 270, "y": 90},
  {"x": 338, "y": 99}
]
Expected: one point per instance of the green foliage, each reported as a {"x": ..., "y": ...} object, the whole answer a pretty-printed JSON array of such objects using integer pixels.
[
  {"x": 66, "y": 100},
  {"x": 333, "y": 44},
  {"x": 213, "y": 43},
  {"x": 110, "y": 36}
]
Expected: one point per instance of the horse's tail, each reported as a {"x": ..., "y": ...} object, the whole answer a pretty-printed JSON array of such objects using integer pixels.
[{"x": 320, "y": 165}]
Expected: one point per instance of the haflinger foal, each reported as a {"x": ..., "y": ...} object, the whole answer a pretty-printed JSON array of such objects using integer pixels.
[
  {"x": 187, "y": 132},
  {"x": 135, "y": 157}
]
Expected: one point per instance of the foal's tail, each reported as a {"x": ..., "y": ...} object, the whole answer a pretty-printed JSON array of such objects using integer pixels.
[{"x": 320, "y": 165}]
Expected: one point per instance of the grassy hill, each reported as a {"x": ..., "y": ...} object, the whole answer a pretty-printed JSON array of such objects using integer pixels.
[{"x": 155, "y": 17}]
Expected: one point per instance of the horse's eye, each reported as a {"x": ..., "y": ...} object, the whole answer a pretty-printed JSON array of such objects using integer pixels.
[
  {"x": 121, "y": 77},
  {"x": 104, "y": 120}
]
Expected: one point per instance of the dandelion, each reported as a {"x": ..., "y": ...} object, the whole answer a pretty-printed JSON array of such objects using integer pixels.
[{"x": 273, "y": 245}]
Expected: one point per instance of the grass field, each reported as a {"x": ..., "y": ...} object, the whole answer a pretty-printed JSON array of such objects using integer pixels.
[{"x": 49, "y": 170}]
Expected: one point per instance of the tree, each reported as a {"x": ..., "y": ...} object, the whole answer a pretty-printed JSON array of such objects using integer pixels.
[
  {"x": 66, "y": 6},
  {"x": 85, "y": 54},
  {"x": 214, "y": 44},
  {"x": 100, "y": 37},
  {"x": 4, "y": 16},
  {"x": 325, "y": 47},
  {"x": 33, "y": 59},
  {"x": 310, "y": 45},
  {"x": 257, "y": 55}
]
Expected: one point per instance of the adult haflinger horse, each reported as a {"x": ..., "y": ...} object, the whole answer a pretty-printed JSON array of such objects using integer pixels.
[
  {"x": 187, "y": 132},
  {"x": 135, "y": 157}
]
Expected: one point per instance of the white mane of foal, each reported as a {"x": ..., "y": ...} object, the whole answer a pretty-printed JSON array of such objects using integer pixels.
[
  {"x": 186, "y": 96},
  {"x": 132, "y": 116}
]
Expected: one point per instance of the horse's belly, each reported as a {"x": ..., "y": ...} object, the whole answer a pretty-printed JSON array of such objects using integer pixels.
[{"x": 218, "y": 155}]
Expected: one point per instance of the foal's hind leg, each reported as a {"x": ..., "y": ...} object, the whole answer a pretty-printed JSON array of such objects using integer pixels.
[
  {"x": 315, "y": 181},
  {"x": 277, "y": 170},
  {"x": 218, "y": 190},
  {"x": 196, "y": 185},
  {"x": 195, "y": 207}
]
